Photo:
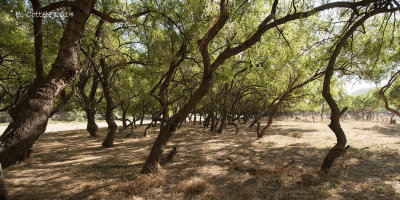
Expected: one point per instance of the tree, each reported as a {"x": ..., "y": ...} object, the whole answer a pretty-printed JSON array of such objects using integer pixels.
[
  {"x": 89, "y": 102},
  {"x": 30, "y": 115},
  {"x": 336, "y": 113},
  {"x": 210, "y": 66},
  {"x": 393, "y": 93}
]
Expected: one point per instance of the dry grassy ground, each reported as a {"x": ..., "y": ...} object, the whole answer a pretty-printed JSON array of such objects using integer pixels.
[{"x": 69, "y": 165}]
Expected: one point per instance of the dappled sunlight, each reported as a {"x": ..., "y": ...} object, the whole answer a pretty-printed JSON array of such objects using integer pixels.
[{"x": 214, "y": 165}]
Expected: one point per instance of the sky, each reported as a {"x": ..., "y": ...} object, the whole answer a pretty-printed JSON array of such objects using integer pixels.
[{"x": 354, "y": 85}]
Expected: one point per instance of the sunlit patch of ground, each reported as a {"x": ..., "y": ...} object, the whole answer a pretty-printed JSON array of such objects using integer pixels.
[
  {"x": 69, "y": 165},
  {"x": 55, "y": 126}
]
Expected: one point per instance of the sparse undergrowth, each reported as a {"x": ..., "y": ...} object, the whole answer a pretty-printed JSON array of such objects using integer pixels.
[{"x": 215, "y": 166}]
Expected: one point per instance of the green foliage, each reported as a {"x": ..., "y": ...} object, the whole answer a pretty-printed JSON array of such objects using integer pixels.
[{"x": 142, "y": 49}]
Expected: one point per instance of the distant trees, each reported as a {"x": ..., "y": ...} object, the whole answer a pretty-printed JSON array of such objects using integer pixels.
[
  {"x": 393, "y": 87},
  {"x": 365, "y": 106},
  {"x": 223, "y": 53},
  {"x": 228, "y": 62}
]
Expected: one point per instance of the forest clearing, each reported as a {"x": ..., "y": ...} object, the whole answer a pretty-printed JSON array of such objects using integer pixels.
[
  {"x": 215, "y": 166},
  {"x": 199, "y": 99}
]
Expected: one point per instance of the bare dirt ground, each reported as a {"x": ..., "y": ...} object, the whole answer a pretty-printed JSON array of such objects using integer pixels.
[
  {"x": 69, "y": 165},
  {"x": 55, "y": 126}
]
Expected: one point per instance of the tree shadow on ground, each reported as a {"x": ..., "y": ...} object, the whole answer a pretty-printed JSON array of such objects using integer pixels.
[
  {"x": 69, "y": 165},
  {"x": 384, "y": 129}
]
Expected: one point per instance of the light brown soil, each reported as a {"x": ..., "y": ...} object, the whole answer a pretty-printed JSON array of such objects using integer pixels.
[
  {"x": 69, "y": 165},
  {"x": 55, "y": 126}
]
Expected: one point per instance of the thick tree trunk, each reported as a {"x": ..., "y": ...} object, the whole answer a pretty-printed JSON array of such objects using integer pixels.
[
  {"x": 31, "y": 115},
  {"x": 64, "y": 101}
]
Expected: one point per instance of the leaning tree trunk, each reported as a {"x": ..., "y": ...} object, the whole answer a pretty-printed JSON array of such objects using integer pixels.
[
  {"x": 151, "y": 164},
  {"x": 112, "y": 126},
  {"x": 340, "y": 147},
  {"x": 31, "y": 115},
  {"x": 270, "y": 120}
]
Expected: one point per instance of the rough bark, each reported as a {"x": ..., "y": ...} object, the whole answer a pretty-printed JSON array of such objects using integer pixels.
[
  {"x": 31, "y": 115},
  {"x": 38, "y": 40},
  {"x": 64, "y": 101}
]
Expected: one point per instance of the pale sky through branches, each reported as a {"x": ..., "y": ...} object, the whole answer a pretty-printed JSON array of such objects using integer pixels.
[{"x": 354, "y": 85}]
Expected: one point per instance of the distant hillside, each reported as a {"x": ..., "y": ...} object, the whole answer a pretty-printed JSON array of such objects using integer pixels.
[{"x": 361, "y": 91}]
